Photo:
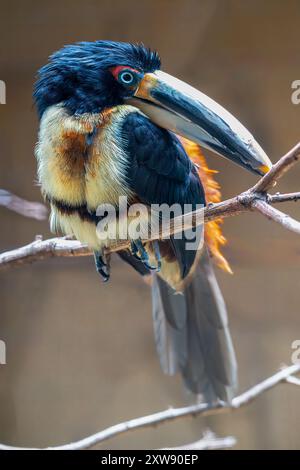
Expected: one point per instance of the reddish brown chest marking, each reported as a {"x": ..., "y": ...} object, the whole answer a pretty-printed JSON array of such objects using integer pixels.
[{"x": 74, "y": 152}]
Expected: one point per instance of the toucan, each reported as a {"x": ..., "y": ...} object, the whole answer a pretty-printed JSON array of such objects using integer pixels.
[{"x": 112, "y": 124}]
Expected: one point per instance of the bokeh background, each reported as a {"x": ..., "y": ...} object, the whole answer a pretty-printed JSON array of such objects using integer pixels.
[{"x": 80, "y": 354}]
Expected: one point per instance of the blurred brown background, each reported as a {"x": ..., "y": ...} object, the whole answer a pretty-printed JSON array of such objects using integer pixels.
[{"x": 80, "y": 354}]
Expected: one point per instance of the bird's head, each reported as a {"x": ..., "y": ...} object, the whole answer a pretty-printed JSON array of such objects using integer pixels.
[{"x": 89, "y": 77}]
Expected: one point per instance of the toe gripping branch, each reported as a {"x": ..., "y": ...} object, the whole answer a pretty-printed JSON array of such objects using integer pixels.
[
  {"x": 140, "y": 253},
  {"x": 102, "y": 263}
]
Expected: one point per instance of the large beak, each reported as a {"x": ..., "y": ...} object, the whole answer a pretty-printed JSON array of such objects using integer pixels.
[{"x": 174, "y": 105}]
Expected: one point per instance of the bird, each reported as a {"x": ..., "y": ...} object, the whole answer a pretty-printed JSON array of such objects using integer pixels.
[{"x": 112, "y": 124}]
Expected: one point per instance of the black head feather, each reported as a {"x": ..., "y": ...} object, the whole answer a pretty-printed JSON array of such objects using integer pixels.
[{"x": 77, "y": 75}]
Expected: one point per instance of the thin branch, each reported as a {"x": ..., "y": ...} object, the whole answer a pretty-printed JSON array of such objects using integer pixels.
[
  {"x": 59, "y": 247},
  {"x": 288, "y": 197},
  {"x": 277, "y": 216},
  {"x": 254, "y": 199},
  {"x": 34, "y": 210},
  {"x": 209, "y": 442},
  {"x": 293, "y": 380},
  {"x": 278, "y": 170},
  {"x": 175, "y": 413},
  {"x": 42, "y": 249}
]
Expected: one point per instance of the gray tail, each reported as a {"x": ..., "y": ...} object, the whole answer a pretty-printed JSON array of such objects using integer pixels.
[{"x": 192, "y": 334}]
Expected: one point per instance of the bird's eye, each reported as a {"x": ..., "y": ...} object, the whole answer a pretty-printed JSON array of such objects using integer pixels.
[{"x": 127, "y": 77}]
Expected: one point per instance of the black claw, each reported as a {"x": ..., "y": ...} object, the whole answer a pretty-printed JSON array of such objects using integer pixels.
[
  {"x": 135, "y": 250},
  {"x": 139, "y": 252},
  {"x": 104, "y": 274},
  {"x": 102, "y": 267},
  {"x": 156, "y": 250},
  {"x": 148, "y": 265}
]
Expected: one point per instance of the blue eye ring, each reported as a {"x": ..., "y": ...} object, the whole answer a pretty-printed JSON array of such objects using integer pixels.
[{"x": 127, "y": 77}]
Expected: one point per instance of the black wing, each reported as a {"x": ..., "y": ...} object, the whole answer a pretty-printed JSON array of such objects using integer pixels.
[
  {"x": 161, "y": 172},
  {"x": 191, "y": 330}
]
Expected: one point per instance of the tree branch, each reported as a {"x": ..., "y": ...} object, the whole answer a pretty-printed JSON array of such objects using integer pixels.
[
  {"x": 293, "y": 380},
  {"x": 278, "y": 170},
  {"x": 254, "y": 199},
  {"x": 278, "y": 197},
  {"x": 35, "y": 210},
  {"x": 42, "y": 249},
  {"x": 284, "y": 375},
  {"x": 209, "y": 442},
  {"x": 277, "y": 216}
]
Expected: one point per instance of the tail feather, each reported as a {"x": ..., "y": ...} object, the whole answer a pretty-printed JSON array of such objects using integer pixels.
[
  {"x": 192, "y": 335},
  {"x": 169, "y": 332}
]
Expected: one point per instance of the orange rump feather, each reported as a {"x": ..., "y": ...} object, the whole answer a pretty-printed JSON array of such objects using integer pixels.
[{"x": 214, "y": 237}]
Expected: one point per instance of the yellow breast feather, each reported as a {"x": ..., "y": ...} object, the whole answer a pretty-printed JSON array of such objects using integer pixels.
[{"x": 81, "y": 164}]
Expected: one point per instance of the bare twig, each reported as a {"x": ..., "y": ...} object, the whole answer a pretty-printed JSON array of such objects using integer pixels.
[
  {"x": 277, "y": 216},
  {"x": 42, "y": 249},
  {"x": 293, "y": 380},
  {"x": 35, "y": 210},
  {"x": 288, "y": 197},
  {"x": 278, "y": 170},
  {"x": 175, "y": 413},
  {"x": 209, "y": 442},
  {"x": 254, "y": 199}
]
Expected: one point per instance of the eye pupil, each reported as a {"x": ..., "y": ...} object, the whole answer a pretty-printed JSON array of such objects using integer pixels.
[{"x": 127, "y": 77}]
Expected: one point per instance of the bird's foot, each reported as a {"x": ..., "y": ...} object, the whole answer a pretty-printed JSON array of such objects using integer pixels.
[
  {"x": 102, "y": 263},
  {"x": 140, "y": 253},
  {"x": 156, "y": 252}
]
